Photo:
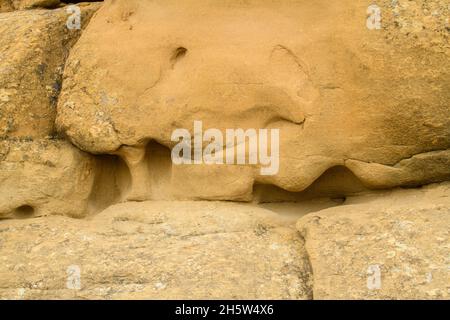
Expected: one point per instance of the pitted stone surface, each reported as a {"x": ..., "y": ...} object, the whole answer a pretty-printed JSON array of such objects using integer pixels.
[{"x": 341, "y": 94}]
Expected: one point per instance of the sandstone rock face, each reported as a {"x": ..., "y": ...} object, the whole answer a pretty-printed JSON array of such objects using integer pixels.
[
  {"x": 38, "y": 175},
  {"x": 29, "y": 4},
  {"x": 374, "y": 101},
  {"x": 34, "y": 45},
  {"x": 5, "y": 6},
  {"x": 156, "y": 250},
  {"x": 44, "y": 177},
  {"x": 395, "y": 245},
  {"x": 86, "y": 121}
]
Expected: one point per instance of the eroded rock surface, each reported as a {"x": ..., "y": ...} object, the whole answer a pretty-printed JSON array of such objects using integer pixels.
[
  {"x": 357, "y": 109},
  {"x": 44, "y": 177},
  {"x": 39, "y": 174},
  {"x": 394, "y": 245},
  {"x": 34, "y": 45},
  {"x": 375, "y": 101},
  {"x": 6, "y": 6},
  {"x": 156, "y": 250},
  {"x": 31, "y": 4},
  {"x": 11, "y": 5}
]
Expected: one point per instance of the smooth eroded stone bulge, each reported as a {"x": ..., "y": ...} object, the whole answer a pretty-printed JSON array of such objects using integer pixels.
[
  {"x": 395, "y": 245},
  {"x": 34, "y": 45},
  {"x": 342, "y": 92},
  {"x": 44, "y": 177},
  {"x": 155, "y": 250}
]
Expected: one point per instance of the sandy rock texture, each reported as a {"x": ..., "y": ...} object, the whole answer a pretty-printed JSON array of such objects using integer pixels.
[
  {"x": 402, "y": 237},
  {"x": 30, "y": 4},
  {"x": 5, "y": 6},
  {"x": 374, "y": 101},
  {"x": 11, "y": 5},
  {"x": 44, "y": 177},
  {"x": 34, "y": 45},
  {"x": 92, "y": 205},
  {"x": 182, "y": 249},
  {"x": 39, "y": 173},
  {"x": 156, "y": 250}
]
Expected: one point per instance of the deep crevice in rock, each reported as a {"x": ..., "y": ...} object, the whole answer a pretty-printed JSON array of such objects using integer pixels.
[{"x": 24, "y": 211}]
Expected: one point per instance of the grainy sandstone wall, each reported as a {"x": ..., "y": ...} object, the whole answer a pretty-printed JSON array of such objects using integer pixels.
[{"x": 90, "y": 96}]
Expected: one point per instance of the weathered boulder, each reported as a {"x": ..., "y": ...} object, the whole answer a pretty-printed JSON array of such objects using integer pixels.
[
  {"x": 44, "y": 177},
  {"x": 34, "y": 45},
  {"x": 6, "y": 6},
  {"x": 360, "y": 105},
  {"x": 31, "y": 4},
  {"x": 11, "y": 5},
  {"x": 375, "y": 101},
  {"x": 155, "y": 250},
  {"x": 392, "y": 245}
]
